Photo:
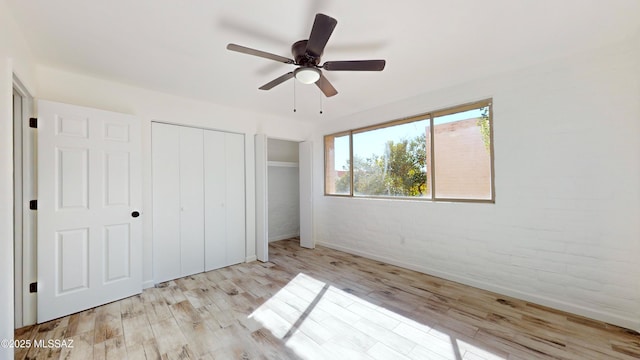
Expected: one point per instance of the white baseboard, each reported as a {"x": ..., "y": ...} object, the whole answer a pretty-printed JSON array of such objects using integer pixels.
[
  {"x": 250, "y": 258},
  {"x": 148, "y": 284},
  {"x": 614, "y": 319},
  {"x": 283, "y": 237}
]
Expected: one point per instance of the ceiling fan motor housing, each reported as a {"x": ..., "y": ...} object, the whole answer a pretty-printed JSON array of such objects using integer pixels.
[{"x": 302, "y": 58}]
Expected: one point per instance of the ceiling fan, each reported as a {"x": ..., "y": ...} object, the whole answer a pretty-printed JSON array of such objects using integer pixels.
[{"x": 306, "y": 56}]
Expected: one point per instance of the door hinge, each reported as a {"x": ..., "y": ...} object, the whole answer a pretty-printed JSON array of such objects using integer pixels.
[
  {"x": 33, "y": 123},
  {"x": 33, "y": 205},
  {"x": 33, "y": 287}
]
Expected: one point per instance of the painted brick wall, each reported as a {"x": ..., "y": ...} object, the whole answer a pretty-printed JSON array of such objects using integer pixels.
[
  {"x": 283, "y": 202},
  {"x": 564, "y": 231}
]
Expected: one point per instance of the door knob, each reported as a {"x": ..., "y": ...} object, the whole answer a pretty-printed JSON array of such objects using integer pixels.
[{"x": 135, "y": 214}]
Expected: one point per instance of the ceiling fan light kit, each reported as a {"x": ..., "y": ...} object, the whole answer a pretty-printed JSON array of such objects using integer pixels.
[
  {"x": 307, "y": 75},
  {"x": 307, "y": 55}
]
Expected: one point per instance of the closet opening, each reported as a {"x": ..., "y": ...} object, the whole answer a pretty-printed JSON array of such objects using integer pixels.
[
  {"x": 284, "y": 201},
  {"x": 283, "y": 191}
]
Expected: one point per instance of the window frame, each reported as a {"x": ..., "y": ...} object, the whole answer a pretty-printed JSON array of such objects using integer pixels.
[
  {"x": 432, "y": 158},
  {"x": 324, "y": 144}
]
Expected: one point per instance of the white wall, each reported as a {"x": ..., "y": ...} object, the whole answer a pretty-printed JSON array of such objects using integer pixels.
[
  {"x": 15, "y": 58},
  {"x": 63, "y": 86},
  {"x": 565, "y": 229},
  {"x": 6, "y": 205},
  {"x": 282, "y": 150}
]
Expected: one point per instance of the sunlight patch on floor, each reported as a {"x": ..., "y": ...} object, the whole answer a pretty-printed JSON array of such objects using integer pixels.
[{"x": 319, "y": 321}]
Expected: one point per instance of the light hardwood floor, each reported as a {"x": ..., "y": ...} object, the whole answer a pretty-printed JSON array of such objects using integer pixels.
[{"x": 325, "y": 304}]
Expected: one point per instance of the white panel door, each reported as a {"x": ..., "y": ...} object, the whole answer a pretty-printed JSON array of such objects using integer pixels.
[
  {"x": 262, "y": 205},
  {"x": 306, "y": 194},
  {"x": 89, "y": 186},
  {"x": 235, "y": 200},
  {"x": 191, "y": 200},
  {"x": 215, "y": 229},
  {"x": 165, "y": 143}
]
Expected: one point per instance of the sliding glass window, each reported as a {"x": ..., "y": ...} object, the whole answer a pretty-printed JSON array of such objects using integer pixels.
[
  {"x": 406, "y": 159},
  {"x": 391, "y": 161}
]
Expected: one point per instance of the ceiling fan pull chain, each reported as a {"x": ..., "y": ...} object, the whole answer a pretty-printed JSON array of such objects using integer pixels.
[
  {"x": 320, "y": 96},
  {"x": 294, "y": 96}
]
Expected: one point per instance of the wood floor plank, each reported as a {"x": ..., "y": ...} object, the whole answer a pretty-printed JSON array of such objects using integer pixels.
[
  {"x": 54, "y": 329},
  {"x": 22, "y": 335},
  {"x": 185, "y": 313},
  {"x": 156, "y": 307},
  {"x": 151, "y": 350},
  {"x": 132, "y": 307},
  {"x": 111, "y": 349},
  {"x": 198, "y": 297},
  {"x": 106, "y": 330},
  {"x": 82, "y": 347},
  {"x": 181, "y": 353},
  {"x": 168, "y": 336},
  {"x": 137, "y": 330},
  {"x": 199, "y": 337},
  {"x": 322, "y": 303}
]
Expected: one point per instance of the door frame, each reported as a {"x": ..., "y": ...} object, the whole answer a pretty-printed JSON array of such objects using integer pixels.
[
  {"x": 262, "y": 198},
  {"x": 25, "y": 189},
  {"x": 262, "y": 195},
  {"x": 305, "y": 159}
]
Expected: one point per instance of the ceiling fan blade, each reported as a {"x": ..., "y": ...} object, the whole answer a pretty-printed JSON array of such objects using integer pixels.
[
  {"x": 277, "y": 81},
  {"x": 254, "y": 52},
  {"x": 325, "y": 86},
  {"x": 354, "y": 65},
  {"x": 322, "y": 28}
]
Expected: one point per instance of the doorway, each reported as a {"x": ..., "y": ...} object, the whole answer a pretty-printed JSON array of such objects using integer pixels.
[
  {"x": 281, "y": 160},
  {"x": 283, "y": 193}
]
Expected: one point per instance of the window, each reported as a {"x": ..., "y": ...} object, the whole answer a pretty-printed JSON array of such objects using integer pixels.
[{"x": 405, "y": 158}]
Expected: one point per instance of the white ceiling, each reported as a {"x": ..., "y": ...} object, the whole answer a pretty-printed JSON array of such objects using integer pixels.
[{"x": 178, "y": 46}]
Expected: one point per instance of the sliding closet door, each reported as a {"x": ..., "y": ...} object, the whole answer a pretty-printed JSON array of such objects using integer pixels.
[
  {"x": 214, "y": 197},
  {"x": 165, "y": 144},
  {"x": 191, "y": 200},
  {"x": 234, "y": 146}
]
